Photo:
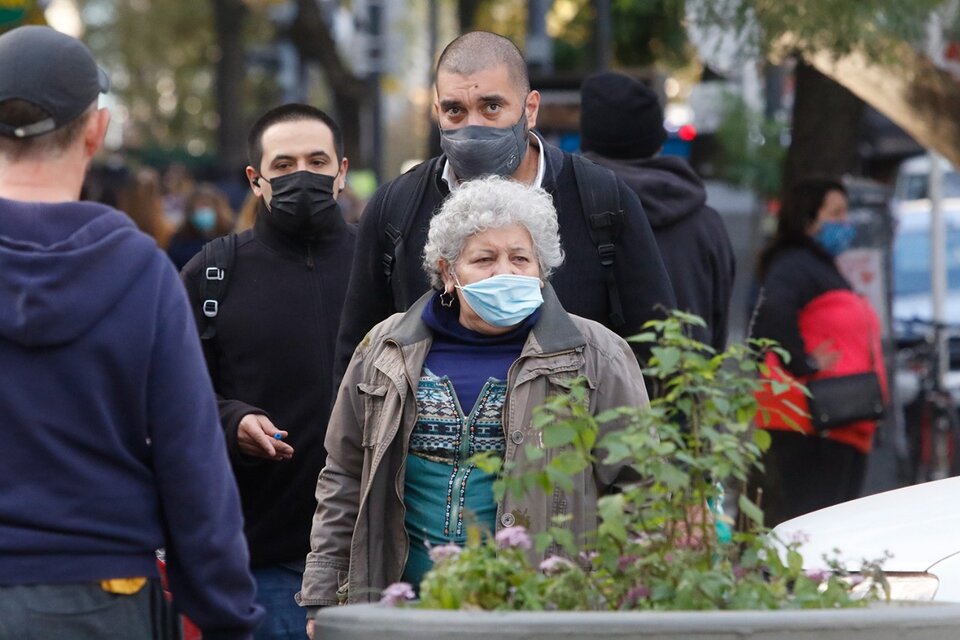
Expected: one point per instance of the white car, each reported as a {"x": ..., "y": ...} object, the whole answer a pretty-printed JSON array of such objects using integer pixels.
[
  {"x": 918, "y": 525},
  {"x": 911, "y": 246},
  {"x": 911, "y": 192}
]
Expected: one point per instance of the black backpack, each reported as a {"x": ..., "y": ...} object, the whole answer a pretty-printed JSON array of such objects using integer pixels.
[
  {"x": 599, "y": 192},
  {"x": 216, "y": 265}
]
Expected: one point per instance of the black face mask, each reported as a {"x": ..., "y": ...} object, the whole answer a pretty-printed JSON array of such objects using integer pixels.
[{"x": 302, "y": 204}]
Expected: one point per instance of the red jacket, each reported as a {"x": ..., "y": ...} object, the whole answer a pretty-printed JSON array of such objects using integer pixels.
[{"x": 849, "y": 326}]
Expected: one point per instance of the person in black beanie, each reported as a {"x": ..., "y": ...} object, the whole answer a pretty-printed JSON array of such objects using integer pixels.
[{"x": 621, "y": 128}]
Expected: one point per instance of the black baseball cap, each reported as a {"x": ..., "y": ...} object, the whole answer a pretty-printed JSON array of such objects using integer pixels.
[{"x": 50, "y": 70}]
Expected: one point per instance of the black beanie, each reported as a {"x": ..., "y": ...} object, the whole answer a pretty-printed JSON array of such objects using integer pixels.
[{"x": 620, "y": 117}]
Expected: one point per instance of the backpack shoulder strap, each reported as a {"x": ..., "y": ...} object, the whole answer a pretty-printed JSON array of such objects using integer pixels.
[
  {"x": 600, "y": 202},
  {"x": 216, "y": 267},
  {"x": 407, "y": 191}
]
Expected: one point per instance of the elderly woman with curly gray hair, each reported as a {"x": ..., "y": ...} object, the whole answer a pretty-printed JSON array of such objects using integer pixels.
[{"x": 458, "y": 374}]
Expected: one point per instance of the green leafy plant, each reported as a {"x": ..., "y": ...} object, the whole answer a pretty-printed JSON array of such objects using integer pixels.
[{"x": 662, "y": 542}]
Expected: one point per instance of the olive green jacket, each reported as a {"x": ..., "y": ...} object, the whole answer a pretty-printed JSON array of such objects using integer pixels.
[{"x": 358, "y": 541}]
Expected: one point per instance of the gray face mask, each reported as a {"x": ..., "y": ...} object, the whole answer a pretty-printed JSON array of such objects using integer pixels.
[{"x": 477, "y": 151}]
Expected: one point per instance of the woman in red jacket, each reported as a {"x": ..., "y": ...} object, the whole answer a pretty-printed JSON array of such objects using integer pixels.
[{"x": 810, "y": 309}]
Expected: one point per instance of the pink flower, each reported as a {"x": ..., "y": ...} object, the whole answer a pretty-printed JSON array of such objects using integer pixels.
[
  {"x": 634, "y": 595},
  {"x": 555, "y": 564},
  {"x": 639, "y": 592},
  {"x": 626, "y": 562},
  {"x": 444, "y": 552},
  {"x": 688, "y": 542},
  {"x": 513, "y": 537},
  {"x": 800, "y": 537},
  {"x": 588, "y": 558},
  {"x": 818, "y": 575},
  {"x": 396, "y": 593}
]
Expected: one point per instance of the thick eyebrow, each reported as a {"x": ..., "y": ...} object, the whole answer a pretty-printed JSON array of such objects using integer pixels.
[
  {"x": 312, "y": 154},
  {"x": 449, "y": 103},
  {"x": 516, "y": 248},
  {"x": 492, "y": 98}
]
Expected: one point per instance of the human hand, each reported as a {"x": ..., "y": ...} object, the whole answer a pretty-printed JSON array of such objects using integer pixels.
[
  {"x": 689, "y": 533},
  {"x": 256, "y": 437},
  {"x": 310, "y": 629},
  {"x": 825, "y": 355}
]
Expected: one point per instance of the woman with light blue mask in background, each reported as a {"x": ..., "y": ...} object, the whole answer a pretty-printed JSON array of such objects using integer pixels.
[
  {"x": 207, "y": 215},
  {"x": 458, "y": 374}
]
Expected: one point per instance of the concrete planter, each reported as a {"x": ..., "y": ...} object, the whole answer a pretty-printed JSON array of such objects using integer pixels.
[{"x": 916, "y": 621}]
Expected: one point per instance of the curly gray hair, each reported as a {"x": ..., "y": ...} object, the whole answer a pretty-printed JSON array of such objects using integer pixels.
[{"x": 492, "y": 203}]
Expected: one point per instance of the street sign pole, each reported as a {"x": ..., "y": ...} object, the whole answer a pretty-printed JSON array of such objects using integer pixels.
[{"x": 938, "y": 256}]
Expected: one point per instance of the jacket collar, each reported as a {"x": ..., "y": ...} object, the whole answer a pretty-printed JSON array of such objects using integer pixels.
[
  {"x": 553, "y": 159},
  {"x": 554, "y": 331},
  {"x": 411, "y": 328},
  {"x": 293, "y": 245}
]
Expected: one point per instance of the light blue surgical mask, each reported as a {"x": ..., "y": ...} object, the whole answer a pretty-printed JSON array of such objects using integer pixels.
[
  {"x": 204, "y": 218},
  {"x": 835, "y": 237},
  {"x": 504, "y": 300}
]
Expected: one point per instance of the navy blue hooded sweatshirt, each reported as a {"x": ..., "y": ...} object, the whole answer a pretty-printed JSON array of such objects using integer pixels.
[{"x": 111, "y": 440}]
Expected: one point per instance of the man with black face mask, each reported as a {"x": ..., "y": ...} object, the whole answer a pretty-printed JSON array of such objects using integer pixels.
[
  {"x": 486, "y": 111},
  {"x": 271, "y": 356}
]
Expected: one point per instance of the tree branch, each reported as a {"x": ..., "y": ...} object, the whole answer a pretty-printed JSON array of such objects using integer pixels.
[
  {"x": 311, "y": 35},
  {"x": 918, "y": 96}
]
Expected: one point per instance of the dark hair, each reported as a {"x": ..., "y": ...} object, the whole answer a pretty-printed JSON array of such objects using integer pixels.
[
  {"x": 18, "y": 113},
  {"x": 482, "y": 50},
  {"x": 799, "y": 208},
  {"x": 225, "y": 216},
  {"x": 141, "y": 198},
  {"x": 291, "y": 112}
]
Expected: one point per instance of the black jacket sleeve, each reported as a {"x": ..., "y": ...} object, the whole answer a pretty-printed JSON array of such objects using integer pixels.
[
  {"x": 784, "y": 293},
  {"x": 231, "y": 410},
  {"x": 644, "y": 286},
  {"x": 369, "y": 299},
  {"x": 724, "y": 273}
]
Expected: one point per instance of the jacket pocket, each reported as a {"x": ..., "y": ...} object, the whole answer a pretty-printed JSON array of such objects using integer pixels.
[{"x": 373, "y": 397}]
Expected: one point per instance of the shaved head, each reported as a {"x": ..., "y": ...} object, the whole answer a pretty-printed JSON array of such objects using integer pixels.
[{"x": 483, "y": 50}]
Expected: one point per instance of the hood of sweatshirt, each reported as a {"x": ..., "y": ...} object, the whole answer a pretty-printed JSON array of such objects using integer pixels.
[
  {"x": 667, "y": 186},
  {"x": 63, "y": 266}
]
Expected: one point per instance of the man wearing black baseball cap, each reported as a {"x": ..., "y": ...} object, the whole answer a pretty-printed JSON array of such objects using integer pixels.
[{"x": 112, "y": 445}]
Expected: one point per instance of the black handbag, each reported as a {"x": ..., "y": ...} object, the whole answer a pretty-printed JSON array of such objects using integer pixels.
[{"x": 839, "y": 401}]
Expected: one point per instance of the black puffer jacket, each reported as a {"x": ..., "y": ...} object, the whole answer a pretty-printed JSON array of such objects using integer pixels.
[
  {"x": 273, "y": 355},
  {"x": 693, "y": 241}
]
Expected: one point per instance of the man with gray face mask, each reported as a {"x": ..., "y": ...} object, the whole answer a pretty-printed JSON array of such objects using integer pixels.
[{"x": 486, "y": 111}]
